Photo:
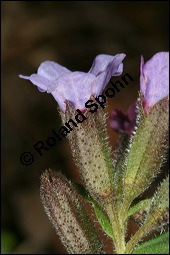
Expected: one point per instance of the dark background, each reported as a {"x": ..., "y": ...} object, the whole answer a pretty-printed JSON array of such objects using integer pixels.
[{"x": 71, "y": 34}]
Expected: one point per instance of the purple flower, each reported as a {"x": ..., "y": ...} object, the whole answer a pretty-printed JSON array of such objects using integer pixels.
[
  {"x": 76, "y": 87},
  {"x": 121, "y": 121},
  {"x": 154, "y": 79}
]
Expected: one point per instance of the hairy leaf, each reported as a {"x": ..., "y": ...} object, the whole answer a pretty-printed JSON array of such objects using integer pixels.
[
  {"x": 157, "y": 245},
  {"x": 91, "y": 151},
  {"x": 68, "y": 215},
  {"x": 142, "y": 205},
  {"x": 102, "y": 218},
  {"x": 147, "y": 151}
]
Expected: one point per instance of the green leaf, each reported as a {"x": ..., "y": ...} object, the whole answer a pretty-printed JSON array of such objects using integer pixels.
[
  {"x": 102, "y": 218},
  {"x": 147, "y": 151},
  {"x": 158, "y": 245},
  {"x": 91, "y": 151},
  {"x": 119, "y": 162},
  {"x": 67, "y": 214},
  {"x": 159, "y": 206},
  {"x": 142, "y": 205}
]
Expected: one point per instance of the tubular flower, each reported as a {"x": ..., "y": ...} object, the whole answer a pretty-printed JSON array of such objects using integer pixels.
[
  {"x": 154, "y": 79},
  {"x": 76, "y": 87}
]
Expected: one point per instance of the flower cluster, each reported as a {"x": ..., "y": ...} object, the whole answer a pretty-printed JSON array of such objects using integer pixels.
[
  {"x": 77, "y": 87},
  {"x": 111, "y": 181}
]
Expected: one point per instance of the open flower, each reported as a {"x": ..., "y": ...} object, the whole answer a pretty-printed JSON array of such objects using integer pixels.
[
  {"x": 154, "y": 79},
  {"x": 76, "y": 87}
]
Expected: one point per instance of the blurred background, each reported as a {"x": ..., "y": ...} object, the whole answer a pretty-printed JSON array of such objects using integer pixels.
[{"x": 70, "y": 33}]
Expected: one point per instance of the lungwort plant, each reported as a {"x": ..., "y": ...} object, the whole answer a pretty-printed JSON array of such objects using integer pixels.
[{"x": 111, "y": 180}]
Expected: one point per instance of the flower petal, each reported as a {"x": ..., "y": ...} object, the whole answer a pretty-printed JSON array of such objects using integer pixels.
[
  {"x": 51, "y": 70},
  {"x": 102, "y": 61},
  {"x": 111, "y": 66},
  {"x": 75, "y": 87},
  {"x": 41, "y": 82},
  {"x": 47, "y": 72},
  {"x": 154, "y": 79},
  {"x": 59, "y": 97}
]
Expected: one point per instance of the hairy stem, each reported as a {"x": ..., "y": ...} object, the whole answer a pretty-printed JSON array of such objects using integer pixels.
[
  {"x": 134, "y": 240},
  {"x": 118, "y": 230}
]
